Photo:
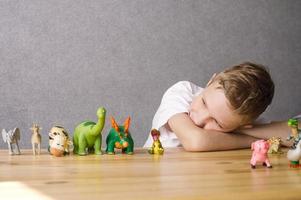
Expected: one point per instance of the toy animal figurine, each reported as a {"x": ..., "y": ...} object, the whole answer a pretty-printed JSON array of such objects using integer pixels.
[
  {"x": 157, "y": 146},
  {"x": 57, "y": 147},
  {"x": 294, "y": 155},
  {"x": 36, "y": 138},
  {"x": 119, "y": 137},
  {"x": 296, "y": 132},
  {"x": 275, "y": 145},
  {"x": 12, "y": 137},
  {"x": 87, "y": 135},
  {"x": 59, "y": 141},
  {"x": 260, "y": 149}
]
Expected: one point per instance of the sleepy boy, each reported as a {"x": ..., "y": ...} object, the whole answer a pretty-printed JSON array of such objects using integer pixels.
[{"x": 222, "y": 116}]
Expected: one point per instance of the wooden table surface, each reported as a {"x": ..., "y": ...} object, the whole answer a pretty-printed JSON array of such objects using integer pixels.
[{"x": 175, "y": 175}]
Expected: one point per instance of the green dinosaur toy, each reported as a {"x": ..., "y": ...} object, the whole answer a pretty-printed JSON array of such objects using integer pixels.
[
  {"x": 87, "y": 135},
  {"x": 119, "y": 137}
]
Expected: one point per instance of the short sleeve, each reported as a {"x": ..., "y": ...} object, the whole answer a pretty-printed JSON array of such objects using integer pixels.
[{"x": 176, "y": 99}]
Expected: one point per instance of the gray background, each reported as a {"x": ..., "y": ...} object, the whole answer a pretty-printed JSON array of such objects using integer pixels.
[{"x": 61, "y": 60}]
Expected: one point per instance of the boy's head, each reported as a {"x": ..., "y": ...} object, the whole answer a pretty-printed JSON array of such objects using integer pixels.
[{"x": 233, "y": 98}]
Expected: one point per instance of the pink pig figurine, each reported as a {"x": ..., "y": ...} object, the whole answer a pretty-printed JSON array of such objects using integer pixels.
[{"x": 260, "y": 153}]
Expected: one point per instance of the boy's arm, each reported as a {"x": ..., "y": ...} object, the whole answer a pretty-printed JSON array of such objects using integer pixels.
[
  {"x": 266, "y": 131},
  {"x": 194, "y": 138}
]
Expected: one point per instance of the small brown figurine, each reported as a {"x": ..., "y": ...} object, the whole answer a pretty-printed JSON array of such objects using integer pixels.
[
  {"x": 157, "y": 146},
  {"x": 36, "y": 138},
  {"x": 275, "y": 145}
]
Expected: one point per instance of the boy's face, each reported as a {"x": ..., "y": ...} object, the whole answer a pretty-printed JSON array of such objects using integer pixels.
[{"x": 211, "y": 110}]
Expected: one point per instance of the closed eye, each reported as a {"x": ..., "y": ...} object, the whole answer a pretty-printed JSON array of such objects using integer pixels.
[
  {"x": 218, "y": 124},
  {"x": 204, "y": 102}
]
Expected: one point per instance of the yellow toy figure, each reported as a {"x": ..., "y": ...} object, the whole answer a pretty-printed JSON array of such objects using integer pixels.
[
  {"x": 275, "y": 145},
  {"x": 157, "y": 146}
]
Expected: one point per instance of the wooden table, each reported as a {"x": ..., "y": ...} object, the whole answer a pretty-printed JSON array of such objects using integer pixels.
[{"x": 175, "y": 175}]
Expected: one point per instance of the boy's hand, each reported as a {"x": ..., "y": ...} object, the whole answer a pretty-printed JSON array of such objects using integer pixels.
[{"x": 266, "y": 131}]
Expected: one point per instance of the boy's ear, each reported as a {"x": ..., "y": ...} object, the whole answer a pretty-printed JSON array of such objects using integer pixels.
[{"x": 211, "y": 79}]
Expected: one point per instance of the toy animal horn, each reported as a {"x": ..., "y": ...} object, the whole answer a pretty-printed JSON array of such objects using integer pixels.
[
  {"x": 114, "y": 124},
  {"x": 127, "y": 124}
]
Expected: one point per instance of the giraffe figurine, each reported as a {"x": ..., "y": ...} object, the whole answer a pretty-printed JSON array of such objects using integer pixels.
[{"x": 36, "y": 139}]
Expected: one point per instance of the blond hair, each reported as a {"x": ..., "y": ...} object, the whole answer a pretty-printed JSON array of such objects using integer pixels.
[{"x": 248, "y": 87}]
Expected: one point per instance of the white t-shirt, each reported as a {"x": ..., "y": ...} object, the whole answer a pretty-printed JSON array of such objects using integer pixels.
[{"x": 176, "y": 99}]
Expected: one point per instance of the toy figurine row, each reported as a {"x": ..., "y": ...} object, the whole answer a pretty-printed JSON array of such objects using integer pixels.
[
  {"x": 262, "y": 147},
  {"x": 87, "y": 138}
]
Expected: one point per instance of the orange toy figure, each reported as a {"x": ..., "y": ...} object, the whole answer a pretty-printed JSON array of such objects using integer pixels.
[{"x": 157, "y": 146}]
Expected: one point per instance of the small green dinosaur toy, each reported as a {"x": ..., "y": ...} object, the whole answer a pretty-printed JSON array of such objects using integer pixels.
[
  {"x": 119, "y": 137},
  {"x": 87, "y": 135}
]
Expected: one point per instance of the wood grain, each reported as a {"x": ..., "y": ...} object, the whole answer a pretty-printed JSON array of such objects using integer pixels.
[{"x": 175, "y": 175}]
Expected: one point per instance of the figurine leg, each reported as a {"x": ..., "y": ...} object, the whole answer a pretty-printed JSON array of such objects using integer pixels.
[
  {"x": 82, "y": 144},
  {"x": 18, "y": 149},
  {"x": 97, "y": 146},
  {"x": 110, "y": 148},
  {"x": 75, "y": 148},
  {"x": 151, "y": 151},
  {"x": 161, "y": 151},
  {"x": 129, "y": 150},
  {"x": 33, "y": 149},
  {"x": 10, "y": 148},
  {"x": 39, "y": 148},
  {"x": 267, "y": 163},
  {"x": 253, "y": 163}
]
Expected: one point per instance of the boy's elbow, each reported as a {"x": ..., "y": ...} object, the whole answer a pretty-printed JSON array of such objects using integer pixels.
[
  {"x": 191, "y": 147},
  {"x": 195, "y": 145}
]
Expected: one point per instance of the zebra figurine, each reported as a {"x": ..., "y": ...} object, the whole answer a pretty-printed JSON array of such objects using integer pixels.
[{"x": 12, "y": 137}]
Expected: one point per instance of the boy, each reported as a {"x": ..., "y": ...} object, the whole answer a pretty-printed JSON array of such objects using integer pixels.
[{"x": 222, "y": 115}]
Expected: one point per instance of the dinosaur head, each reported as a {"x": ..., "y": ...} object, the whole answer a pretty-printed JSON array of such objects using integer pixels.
[{"x": 101, "y": 112}]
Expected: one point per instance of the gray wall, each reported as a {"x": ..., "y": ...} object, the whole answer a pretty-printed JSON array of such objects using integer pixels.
[{"x": 60, "y": 60}]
